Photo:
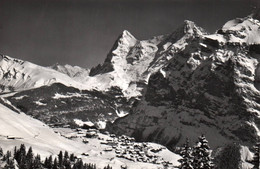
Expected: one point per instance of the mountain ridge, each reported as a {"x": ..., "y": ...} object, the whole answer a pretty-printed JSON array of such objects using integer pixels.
[
  {"x": 209, "y": 86},
  {"x": 185, "y": 75}
]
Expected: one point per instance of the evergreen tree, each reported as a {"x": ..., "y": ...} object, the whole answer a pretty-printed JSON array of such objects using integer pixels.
[
  {"x": 29, "y": 158},
  {"x": 20, "y": 157},
  {"x": 72, "y": 157},
  {"x": 229, "y": 157},
  {"x": 78, "y": 164},
  {"x": 256, "y": 160},
  {"x": 66, "y": 155},
  {"x": 37, "y": 162},
  {"x": 8, "y": 154},
  {"x": 29, "y": 155},
  {"x": 22, "y": 150},
  {"x": 9, "y": 164},
  {"x": 67, "y": 164},
  {"x": 187, "y": 158},
  {"x": 60, "y": 158},
  {"x": 55, "y": 164},
  {"x": 201, "y": 153},
  {"x": 107, "y": 167},
  {"x": 1, "y": 152},
  {"x": 46, "y": 161},
  {"x": 4, "y": 157},
  {"x": 49, "y": 163}
]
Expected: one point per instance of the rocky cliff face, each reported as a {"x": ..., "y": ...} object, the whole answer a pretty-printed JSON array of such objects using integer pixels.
[
  {"x": 130, "y": 62},
  {"x": 210, "y": 85}
]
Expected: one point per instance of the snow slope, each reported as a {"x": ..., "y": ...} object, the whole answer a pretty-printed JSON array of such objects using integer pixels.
[
  {"x": 243, "y": 30},
  {"x": 19, "y": 129},
  {"x": 32, "y": 133},
  {"x": 16, "y": 74}
]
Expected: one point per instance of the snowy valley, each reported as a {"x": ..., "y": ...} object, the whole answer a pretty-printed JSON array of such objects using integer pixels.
[{"x": 138, "y": 107}]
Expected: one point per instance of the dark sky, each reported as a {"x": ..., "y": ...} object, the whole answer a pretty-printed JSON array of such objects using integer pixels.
[{"x": 81, "y": 32}]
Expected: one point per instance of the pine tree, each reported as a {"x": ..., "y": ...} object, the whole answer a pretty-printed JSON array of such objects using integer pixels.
[
  {"x": 72, "y": 157},
  {"x": 1, "y": 152},
  {"x": 49, "y": 163},
  {"x": 9, "y": 164},
  {"x": 37, "y": 162},
  {"x": 78, "y": 164},
  {"x": 67, "y": 164},
  {"x": 8, "y": 154},
  {"x": 201, "y": 153},
  {"x": 55, "y": 164},
  {"x": 229, "y": 157},
  {"x": 60, "y": 158},
  {"x": 23, "y": 150},
  {"x": 46, "y": 161},
  {"x": 29, "y": 155},
  {"x": 256, "y": 160},
  {"x": 107, "y": 167},
  {"x": 29, "y": 158},
  {"x": 187, "y": 158},
  {"x": 66, "y": 155}
]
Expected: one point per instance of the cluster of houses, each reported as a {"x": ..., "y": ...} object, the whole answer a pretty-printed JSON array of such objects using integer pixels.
[
  {"x": 123, "y": 146},
  {"x": 126, "y": 147}
]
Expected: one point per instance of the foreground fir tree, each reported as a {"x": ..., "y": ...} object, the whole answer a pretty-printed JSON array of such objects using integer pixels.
[
  {"x": 229, "y": 157},
  {"x": 187, "y": 158},
  {"x": 201, "y": 153}
]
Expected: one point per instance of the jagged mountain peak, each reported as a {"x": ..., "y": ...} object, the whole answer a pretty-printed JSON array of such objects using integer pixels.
[
  {"x": 126, "y": 33},
  {"x": 191, "y": 28},
  {"x": 126, "y": 38}
]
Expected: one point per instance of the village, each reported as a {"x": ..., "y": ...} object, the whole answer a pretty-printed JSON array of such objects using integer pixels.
[
  {"x": 126, "y": 147},
  {"x": 123, "y": 147}
]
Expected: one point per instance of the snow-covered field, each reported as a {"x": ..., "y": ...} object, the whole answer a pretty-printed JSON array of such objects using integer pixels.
[{"x": 19, "y": 129}]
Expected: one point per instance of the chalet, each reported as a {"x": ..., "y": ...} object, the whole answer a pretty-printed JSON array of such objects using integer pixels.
[
  {"x": 85, "y": 141},
  {"x": 108, "y": 149},
  {"x": 112, "y": 135},
  {"x": 85, "y": 154},
  {"x": 13, "y": 138}
]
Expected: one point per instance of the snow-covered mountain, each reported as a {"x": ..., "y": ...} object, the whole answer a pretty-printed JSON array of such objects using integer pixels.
[
  {"x": 77, "y": 73},
  {"x": 210, "y": 85},
  {"x": 130, "y": 62},
  {"x": 174, "y": 86},
  {"x": 113, "y": 87},
  {"x": 16, "y": 74}
]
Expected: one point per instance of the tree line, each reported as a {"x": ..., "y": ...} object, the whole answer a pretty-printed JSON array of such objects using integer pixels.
[{"x": 23, "y": 159}]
